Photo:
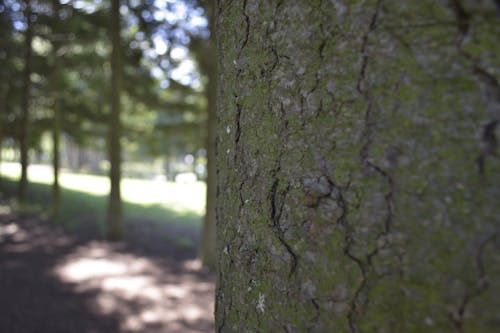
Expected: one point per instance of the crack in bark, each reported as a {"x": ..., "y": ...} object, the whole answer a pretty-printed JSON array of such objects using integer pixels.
[
  {"x": 220, "y": 4},
  {"x": 247, "y": 27},
  {"x": 367, "y": 132},
  {"x": 356, "y": 304},
  {"x": 276, "y": 213},
  {"x": 275, "y": 217},
  {"x": 238, "y": 76},
  {"x": 388, "y": 196},
  {"x": 295, "y": 258},
  {"x": 488, "y": 141},
  {"x": 276, "y": 210},
  {"x": 364, "y": 63},
  {"x": 237, "y": 134},
  {"x": 285, "y": 120},
  {"x": 368, "y": 129},
  {"x": 489, "y": 144},
  {"x": 220, "y": 327},
  {"x": 276, "y": 59},
  {"x": 317, "y": 74},
  {"x": 317, "y": 309},
  {"x": 457, "y": 318},
  {"x": 240, "y": 189},
  {"x": 463, "y": 20}
]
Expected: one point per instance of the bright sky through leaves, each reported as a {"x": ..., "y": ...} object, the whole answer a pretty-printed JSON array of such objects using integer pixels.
[{"x": 175, "y": 18}]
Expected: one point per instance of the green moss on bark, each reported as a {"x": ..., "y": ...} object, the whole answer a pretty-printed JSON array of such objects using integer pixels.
[{"x": 350, "y": 194}]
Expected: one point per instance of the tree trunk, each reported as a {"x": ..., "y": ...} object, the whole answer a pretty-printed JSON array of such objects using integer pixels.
[
  {"x": 80, "y": 158},
  {"x": 56, "y": 126},
  {"x": 24, "y": 119},
  {"x": 56, "y": 133},
  {"x": 1, "y": 160},
  {"x": 357, "y": 188},
  {"x": 115, "y": 205},
  {"x": 3, "y": 115},
  {"x": 209, "y": 67}
]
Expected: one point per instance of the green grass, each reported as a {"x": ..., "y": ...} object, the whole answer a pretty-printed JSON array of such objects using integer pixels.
[{"x": 84, "y": 198}]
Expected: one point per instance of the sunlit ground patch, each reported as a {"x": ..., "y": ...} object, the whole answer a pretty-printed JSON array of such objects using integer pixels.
[
  {"x": 5, "y": 209},
  {"x": 147, "y": 297},
  {"x": 9, "y": 229}
]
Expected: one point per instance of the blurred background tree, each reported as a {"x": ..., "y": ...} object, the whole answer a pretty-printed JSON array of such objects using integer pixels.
[{"x": 107, "y": 87}]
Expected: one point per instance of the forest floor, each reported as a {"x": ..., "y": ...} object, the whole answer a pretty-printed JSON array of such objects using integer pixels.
[{"x": 56, "y": 282}]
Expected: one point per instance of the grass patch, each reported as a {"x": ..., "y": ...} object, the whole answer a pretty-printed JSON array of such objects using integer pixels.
[{"x": 84, "y": 199}]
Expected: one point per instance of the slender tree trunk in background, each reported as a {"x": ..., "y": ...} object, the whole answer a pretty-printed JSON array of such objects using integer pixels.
[
  {"x": 56, "y": 134},
  {"x": 209, "y": 64},
  {"x": 1, "y": 159},
  {"x": 81, "y": 158},
  {"x": 70, "y": 151},
  {"x": 24, "y": 119},
  {"x": 357, "y": 188},
  {"x": 3, "y": 112},
  {"x": 114, "y": 222},
  {"x": 166, "y": 166},
  {"x": 56, "y": 124}
]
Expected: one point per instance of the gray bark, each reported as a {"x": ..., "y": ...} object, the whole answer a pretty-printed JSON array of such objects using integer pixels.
[{"x": 357, "y": 184}]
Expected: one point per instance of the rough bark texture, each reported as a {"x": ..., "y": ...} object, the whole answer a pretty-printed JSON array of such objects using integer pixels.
[
  {"x": 24, "y": 118},
  {"x": 357, "y": 187},
  {"x": 115, "y": 228}
]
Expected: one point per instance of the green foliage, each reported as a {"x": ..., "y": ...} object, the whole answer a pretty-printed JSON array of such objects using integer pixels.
[{"x": 71, "y": 69}]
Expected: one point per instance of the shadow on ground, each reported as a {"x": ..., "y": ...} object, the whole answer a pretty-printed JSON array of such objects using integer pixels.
[{"x": 51, "y": 281}]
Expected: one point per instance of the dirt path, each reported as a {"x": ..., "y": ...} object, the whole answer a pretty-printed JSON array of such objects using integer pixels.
[{"x": 53, "y": 282}]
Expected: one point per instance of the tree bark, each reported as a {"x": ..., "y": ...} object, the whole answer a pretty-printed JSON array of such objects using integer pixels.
[
  {"x": 357, "y": 188},
  {"x": 114, "y": 220},
  {"x": 24, "y": 118}
]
